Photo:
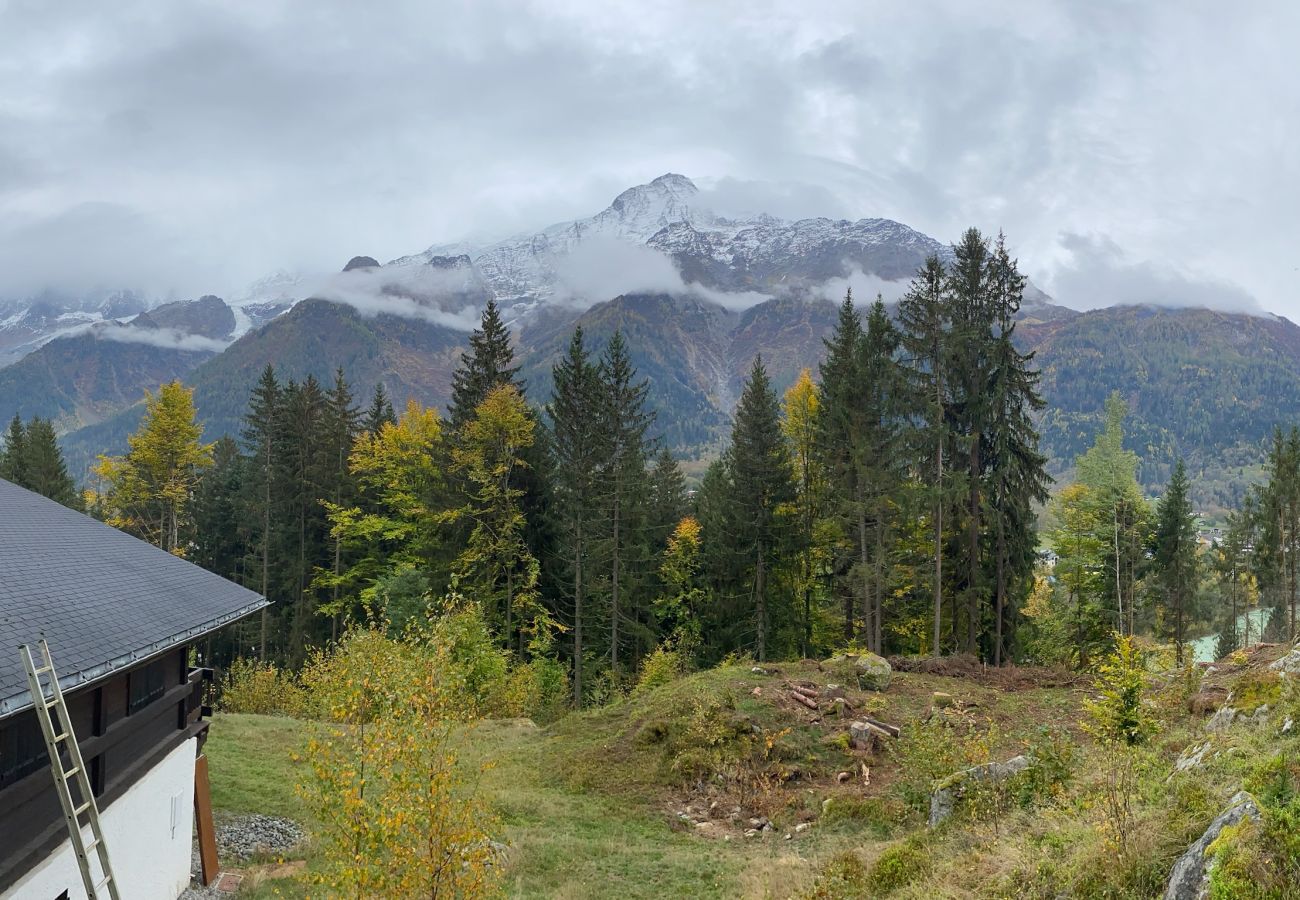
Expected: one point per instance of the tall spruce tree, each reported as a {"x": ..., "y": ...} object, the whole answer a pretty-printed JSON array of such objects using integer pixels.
[
  {"x": 303, "y": 444},
  {"x": 340, "y": 424},
  {"x": 44, "y": 470},
  {"x": 1017, "y": 471},
  {"x": 1175, "y": 554},
  {"x": 261, "y": 434},
  {"x": 624, "y": 420},
  {"x": 761, "y": 473},
  {"x": 489, "y": 362},
  {"x": 839, "y": 420},
  {"x": 575, "y": 418},
  {"x": 924, "y": 320},
  {"x": 13, "y": 455},
  {"x": 972, "y": 313},
  {"x": 379, "y": 413},
  {"x": 801, "y": 415}
]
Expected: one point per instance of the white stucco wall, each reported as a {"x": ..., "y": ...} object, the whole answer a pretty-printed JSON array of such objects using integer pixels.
[{"x": 149, "y": 833}]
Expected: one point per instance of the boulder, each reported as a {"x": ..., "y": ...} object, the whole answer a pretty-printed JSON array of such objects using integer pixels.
[
  {"x": 870, "y": 671},
  {"x": 1191, "y": 758},
  {"x": 1189, "y": 878},
  {"x": 1222, "y": 719},
  {"x": 1289, "y": 663},
  {"x": 947, "y": 792}
]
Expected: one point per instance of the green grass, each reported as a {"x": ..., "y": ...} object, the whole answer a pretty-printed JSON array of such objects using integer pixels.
[{"x": 587, "y": 805}]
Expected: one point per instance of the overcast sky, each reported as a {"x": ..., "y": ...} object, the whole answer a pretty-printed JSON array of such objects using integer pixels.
[{"x": 1131, "y": 151}]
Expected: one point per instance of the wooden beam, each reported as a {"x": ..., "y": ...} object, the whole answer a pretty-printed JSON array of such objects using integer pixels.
[{"x": 203, "y": 819}]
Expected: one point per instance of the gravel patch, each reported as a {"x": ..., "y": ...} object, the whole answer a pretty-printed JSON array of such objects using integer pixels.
[{"x": 238, "y": 838}]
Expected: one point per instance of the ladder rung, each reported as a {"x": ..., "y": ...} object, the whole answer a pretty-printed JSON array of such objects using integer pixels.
[
  {"x": 107, "y": 879},
  {"x": 73, "y": 771},
  {"x": 43, "y": 669},
  {"x": 50, "y": 704},
  {"x": 60, "y": 737},
  {"x": 92, "y": 845},
  {"x": 76, "y": 813}
]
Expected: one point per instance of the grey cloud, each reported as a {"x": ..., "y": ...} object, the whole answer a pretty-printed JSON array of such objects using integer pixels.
[
  {"x": 1101, "y": 275},
  {"x": 232, "y": 140},
  {"x": 866, "y": 287},
  {"x": 167, "y": 338},
  {"x": 411, "y": 292}
]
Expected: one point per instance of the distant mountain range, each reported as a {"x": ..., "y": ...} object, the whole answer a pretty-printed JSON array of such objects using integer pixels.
[{"x": 698, "y": 294}]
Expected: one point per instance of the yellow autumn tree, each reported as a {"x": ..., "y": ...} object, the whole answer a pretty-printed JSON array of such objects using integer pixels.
[
  {"x": 398, "y": 529},
  {"x": 147, "y": 492},
  {"x": 397, "y": 806},
  {"x": 496, "y": 565},
  {"x": 799, "y": 425}
]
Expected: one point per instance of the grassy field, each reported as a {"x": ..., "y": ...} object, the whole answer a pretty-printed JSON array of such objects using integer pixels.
[{"x": 608, "y": 802}]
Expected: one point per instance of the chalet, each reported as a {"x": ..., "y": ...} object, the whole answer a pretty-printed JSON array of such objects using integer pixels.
[{"x": 120, "y": 617}]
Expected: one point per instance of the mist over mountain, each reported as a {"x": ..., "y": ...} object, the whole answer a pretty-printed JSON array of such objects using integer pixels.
[{"x": 698, "y": 294}]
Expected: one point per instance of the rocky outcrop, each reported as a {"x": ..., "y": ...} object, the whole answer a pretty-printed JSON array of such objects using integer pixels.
[
  {"x": 1189, "y": 877},
  {"x": 1289, "y": 664},
  {"x": 871, "y": 672},
  {"x": 944, "y": 798}
]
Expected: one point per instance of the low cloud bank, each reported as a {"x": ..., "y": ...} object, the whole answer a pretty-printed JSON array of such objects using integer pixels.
[
  {"x": 447, "y": 297},
  {"x": 865, "y": 285},
  {"x": 1100, "y": 275},
  {"x": 166, "y": 338}
]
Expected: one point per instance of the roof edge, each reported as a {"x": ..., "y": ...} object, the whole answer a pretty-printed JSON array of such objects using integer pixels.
[{"x": 11, "y": 706}]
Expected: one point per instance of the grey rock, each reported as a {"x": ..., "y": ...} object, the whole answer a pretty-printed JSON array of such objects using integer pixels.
[
  {"x": 943, "y": 800},
  {"x": 871, "y": 672},
  {"x": 1289, "y": 663},
  {"x": 1188, "y": 880},
  {"x": 1222, "y": 719}
]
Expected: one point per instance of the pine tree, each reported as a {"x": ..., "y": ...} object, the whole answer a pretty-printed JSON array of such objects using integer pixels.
[
  {"x": 261, "y": 433},
  {"x": 13, "y": 456},
  {"x": 667, "y": 503},
  {"x": 340, "y": 424},
  {"x": 761, "y": 474},
  {"x": 923, "y": 319},
  {"x": 623, "y": 424},
  {"x": 303, "y": 466},
  {"x": 839, "y": 425},
  {"x": 379, "y": 412},
  {"x": 1017, "y": 473},
  {"x": 575, "y": 416},
  {"x": 43, "y": 468},
  {"x": 220, "y": 532},
  {"x": 1175, "y": 553},
  {"x": 972, "y": 315},
  {"x": 489, "y": 362}
]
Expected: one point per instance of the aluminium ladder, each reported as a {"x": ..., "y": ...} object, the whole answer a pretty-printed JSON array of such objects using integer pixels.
[{"x": 58, "y": 730}]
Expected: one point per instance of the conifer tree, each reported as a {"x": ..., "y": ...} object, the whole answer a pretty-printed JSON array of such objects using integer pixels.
[
  {"x": 623, "y": 423},
  {"x": 13, "y": 455},
  {"x": 1175, "y": 554},
  {"x": 220, "y": 530},
  {"x": 303, "y": 462},
  {"x": 923, "y": 319},
  {"x": 489, "y": 362},
  {"x": 575, "y": 417},
  {"x": 379, "y": 412},
  {"x": 839, "y": 425},
  {"x": 260, "y": 433},
  {"x": 972, "y": 314},
  {"x": 340, "y": 425},
  {"x": 761, "y": 473},
  {"x": 1017, "y": 473},
  {"x": 43, "y": 468}
]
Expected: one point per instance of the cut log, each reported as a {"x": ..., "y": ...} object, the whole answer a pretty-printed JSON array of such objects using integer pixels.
[
  {"x": 891, "y": 730},
  {"x": 806, "y": 701}
]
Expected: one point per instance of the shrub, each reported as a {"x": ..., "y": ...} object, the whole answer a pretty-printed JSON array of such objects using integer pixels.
[
  {"x": 899, "y": 866},
  {"x": 877, "y": 814},
  {"x": 661, "y": 667},
  {"x": 842, "y": 877},
  {"x": 250, "y": 686}
]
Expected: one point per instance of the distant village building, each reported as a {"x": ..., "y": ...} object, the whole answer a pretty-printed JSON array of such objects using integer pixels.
[{"x": 119, "y": 616}]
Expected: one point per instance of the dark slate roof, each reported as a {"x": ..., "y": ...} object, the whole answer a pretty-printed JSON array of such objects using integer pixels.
[{"x": 101, "y": 598}]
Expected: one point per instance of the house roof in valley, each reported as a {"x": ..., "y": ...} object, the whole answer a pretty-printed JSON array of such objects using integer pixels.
[{"x": 102, "y": 599}]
